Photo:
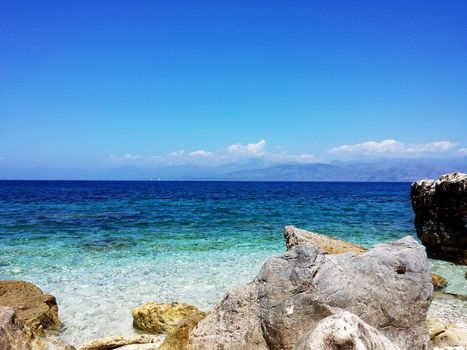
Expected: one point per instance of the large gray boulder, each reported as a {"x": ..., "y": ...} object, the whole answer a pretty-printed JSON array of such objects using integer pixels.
[
  {"x": 344, "y": 331},
  {"x": 388, "y": 287},
  {"x": 441, "y": 216}
]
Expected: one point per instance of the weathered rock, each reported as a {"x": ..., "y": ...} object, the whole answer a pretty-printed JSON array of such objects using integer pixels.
[
  {"x": 36, "y": 310},
  {"x": 389, "y": 287},
  {"x": 295, "y": 236},
  {"x": 444, "y": 335},
  {"x": 11, "y": 334},
  {"x": 439, "y": 282},
  {"x": 233, "y": 324},
  {"x": 441, "y": 216},
  {"x": 161, "y": 317},
  {"x": 344, "y": 331},
  {"x": 177, "y": 337},
  {"x": 116, "y": 342},
  {"x": 40, "y": 343}
]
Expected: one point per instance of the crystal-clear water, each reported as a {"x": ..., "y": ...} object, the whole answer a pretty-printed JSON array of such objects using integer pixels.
[{"x": 104, "y": 247}]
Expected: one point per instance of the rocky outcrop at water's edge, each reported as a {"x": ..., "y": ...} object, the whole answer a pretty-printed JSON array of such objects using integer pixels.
[{"x": 441, "y": 216}]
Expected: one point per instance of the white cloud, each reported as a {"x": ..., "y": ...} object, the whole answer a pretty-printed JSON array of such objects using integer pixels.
[
  {"x": 179, "y": 153},
  {"x": 225, "y": 155},
  {"x": 125, "y": 157},
  {"x": 253, "y": 149},
  {"x": 463, "y": 151},
  {"x": 201, "y": 153},
  {"x": 393, "y": 148}
]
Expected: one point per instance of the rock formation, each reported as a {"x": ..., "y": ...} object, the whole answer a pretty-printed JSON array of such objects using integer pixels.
[
  {"x": 439, "y": 282},
  {"x": 444, "y": 335},
  {"x": 344, "y": 331},
  {"x": 11, "y": 334},
  {"x": 177, "y": 337},
  {"x": 388, "y": 287},
  {"x": 137, "y": 342},
  {"x": 161, "y": 317},
  {"x": 441, "y": 216},
  {"x": 295, "y": 236},
  {"x": 36, "y": 310}
]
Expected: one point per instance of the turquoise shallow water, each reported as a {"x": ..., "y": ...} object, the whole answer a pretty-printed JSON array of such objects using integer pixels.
[{"x": 105, "y": 247}]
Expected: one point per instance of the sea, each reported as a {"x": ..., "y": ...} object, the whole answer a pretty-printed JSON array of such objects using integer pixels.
[{"x": 104, "y": 247}]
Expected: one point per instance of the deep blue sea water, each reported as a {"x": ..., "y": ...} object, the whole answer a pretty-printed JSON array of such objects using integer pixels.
[{"x": 104, "y": 247}]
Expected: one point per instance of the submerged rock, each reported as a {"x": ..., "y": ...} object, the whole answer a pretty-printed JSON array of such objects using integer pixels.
[
  {"x": 295, "y": 236},
  {"x": 344, "y": 331},
  {"x": 160, "y": 317},
  {"x": 441, "y": 216},
  {"x": 388, "y": 287},
  {"x": 439, "y": 282},
  {"x": 36, "y": 310}
]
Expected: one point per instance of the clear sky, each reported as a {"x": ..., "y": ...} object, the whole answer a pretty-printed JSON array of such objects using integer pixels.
[{"x": 92, "y": 84}]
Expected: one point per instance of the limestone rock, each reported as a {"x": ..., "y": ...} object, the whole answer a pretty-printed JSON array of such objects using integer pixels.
[
  {"x": 233, "y": 324},
  {"x": 36, "y": 310},
  {"x": 177, "y": 337},
  {"x": 160, "y": 317},
  {"x": 11, "y": 335},
  {"x": 344, "y": 331},
  {"x": 439, "y": 282},
  {"x": 441, "y": 216},
  {"x": 39, "y": 343},
  {"x": 294, "y": 236},
  {"x": 389, "y": 287},
  {"x": 445, "y": 335},
  {"x": 117, "y": 342}
]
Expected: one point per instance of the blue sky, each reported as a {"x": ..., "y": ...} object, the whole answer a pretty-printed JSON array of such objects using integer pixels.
[{"x": 93, "y": 84}]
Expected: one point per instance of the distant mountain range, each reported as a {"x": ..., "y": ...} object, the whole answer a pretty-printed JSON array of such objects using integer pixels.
[
  {"x": 260, "y": 169},
  {"x": 378, "y": 170}
]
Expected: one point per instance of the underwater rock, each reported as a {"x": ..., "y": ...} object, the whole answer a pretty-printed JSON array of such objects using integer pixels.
[
  {"x": 344, "y": 331},
  {"x": 389, "y": 287},
  {"x": 441, "y": 216},
  {"x": 36, "y": 310},
  {"x": 160, "y": 317},
  {"x": 295, "y": 236},
  {"x": 439, "y": 282}
]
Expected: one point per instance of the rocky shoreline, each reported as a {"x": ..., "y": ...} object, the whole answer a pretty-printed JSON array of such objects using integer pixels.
[{"x": 321, "y": 294}]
